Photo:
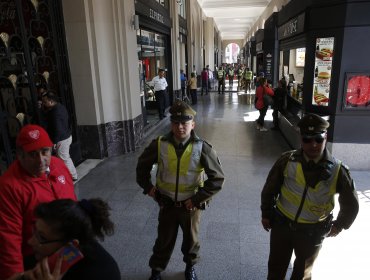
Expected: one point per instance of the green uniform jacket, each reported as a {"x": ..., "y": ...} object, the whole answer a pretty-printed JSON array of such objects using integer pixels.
[
  {"x": 348, "y": 199},
  {"x": 209, "y": 161}
]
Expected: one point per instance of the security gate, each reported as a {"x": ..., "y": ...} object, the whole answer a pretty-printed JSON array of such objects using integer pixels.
[{"x": 33, "y": 54}]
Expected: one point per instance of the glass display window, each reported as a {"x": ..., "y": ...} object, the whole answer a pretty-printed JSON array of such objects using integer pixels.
[{"x": 151, "y": 52}]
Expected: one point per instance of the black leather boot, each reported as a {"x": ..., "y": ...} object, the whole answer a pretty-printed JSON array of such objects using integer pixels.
[
  {"x": 156, "y": 275},
  {"x": 190, "y": 273}
]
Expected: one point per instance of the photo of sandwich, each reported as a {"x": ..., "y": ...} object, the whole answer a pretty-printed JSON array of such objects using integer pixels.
[
  {"x": 323, "y": 75},
  {"x": 324, "y": 54},
  {"x": 327, "y": 51}
]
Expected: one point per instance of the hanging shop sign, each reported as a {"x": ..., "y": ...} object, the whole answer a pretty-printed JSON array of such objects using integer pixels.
[
  {"x": 323, "y": 69},
  {"x": 269, "y": 66},
  {"x": 293, "y": 27}
]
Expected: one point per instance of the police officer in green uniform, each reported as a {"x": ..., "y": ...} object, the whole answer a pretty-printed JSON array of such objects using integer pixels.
[
  {"x": 248, "y": 75},
  {"x": 182, "y": 159},
  {"x": 298, "y": 198},
  {"x": 221, "y": 74}
]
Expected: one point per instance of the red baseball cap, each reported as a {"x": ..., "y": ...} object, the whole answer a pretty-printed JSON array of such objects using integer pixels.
[{"x": 33, "y": 137}]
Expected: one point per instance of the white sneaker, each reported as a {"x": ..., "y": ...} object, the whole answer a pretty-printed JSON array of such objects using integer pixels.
[
  {"x": 263, "y": 129},
  {"x": 258, "y": 127}
]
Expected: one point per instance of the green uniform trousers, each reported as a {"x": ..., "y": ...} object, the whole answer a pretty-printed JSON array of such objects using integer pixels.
[
  {"x": 169, "y": 220},
  {"x": 283, "y": 241}
]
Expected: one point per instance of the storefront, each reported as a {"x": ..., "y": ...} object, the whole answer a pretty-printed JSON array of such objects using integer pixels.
[
  {"x": 324, "y": 56},
  {"x": 154, "y": 51},
  {"x": 292, "y": 47}
]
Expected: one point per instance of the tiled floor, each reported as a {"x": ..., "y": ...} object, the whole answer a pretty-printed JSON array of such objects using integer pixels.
[{"x": 233, "y": 244}]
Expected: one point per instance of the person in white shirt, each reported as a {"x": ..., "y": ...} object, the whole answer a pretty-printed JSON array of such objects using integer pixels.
[{"x": 160, "y": 85}]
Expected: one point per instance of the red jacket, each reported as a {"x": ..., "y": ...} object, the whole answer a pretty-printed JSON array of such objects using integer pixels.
[
  {"x": 19, "y": 194},
  {"x": 259, "y": 96}
]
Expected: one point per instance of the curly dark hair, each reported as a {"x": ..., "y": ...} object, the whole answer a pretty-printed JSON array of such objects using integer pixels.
[{"x": 83, "y": 220}]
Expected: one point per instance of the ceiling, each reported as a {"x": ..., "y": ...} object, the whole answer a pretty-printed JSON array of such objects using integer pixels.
[{"x": 233, "y": 18}]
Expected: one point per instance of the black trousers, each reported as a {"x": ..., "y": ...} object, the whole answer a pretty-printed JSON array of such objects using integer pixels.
[
  {"x": 169, "y": 221},
  {"x": 221, "y": 83},
  {"x": 161, "y": 102},
  {"x": 283, "y": 241},
  {"x": 261, "y": 118}
]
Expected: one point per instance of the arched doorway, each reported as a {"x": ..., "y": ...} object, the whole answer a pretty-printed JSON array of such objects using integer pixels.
[{"x": 232, "y": 52}]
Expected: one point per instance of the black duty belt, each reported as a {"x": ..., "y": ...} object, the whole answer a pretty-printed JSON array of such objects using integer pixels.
[{"x": 282, "y": 219}]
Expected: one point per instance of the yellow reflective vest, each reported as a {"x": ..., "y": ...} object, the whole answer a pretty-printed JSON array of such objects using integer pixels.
[
  {"x": 319, "y": 201},
  {"x": 183, "y": 174},
  {"x": 248, "y": 75}
]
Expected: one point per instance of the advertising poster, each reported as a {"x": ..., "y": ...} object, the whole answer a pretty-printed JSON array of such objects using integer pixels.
[{"x": 323, "y": 69}]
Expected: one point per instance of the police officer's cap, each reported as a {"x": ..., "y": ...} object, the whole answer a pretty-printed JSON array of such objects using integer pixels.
[
  {"x": 312, "y": 124},
  {"x": 181, "y": 111}
]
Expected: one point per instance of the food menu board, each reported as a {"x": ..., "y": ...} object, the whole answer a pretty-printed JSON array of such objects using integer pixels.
[{"x": 323, "y": 70}]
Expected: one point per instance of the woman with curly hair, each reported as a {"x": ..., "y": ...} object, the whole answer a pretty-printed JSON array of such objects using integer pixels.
[{"x": 63, "y": 222}]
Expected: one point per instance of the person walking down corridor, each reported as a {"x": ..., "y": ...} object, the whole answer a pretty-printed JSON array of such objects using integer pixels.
[
  {"x": 183, "y": 161},
  {"x": 280, "y": 95},
  {"x": 260, "y": 103},
  {"x": 204, "y": 81},
  {"x": 183, "y": 84},
  {"x": 34, "y": 177},
  {"x": 230, "y": 74},
  {"x": 221, "y": 74},
  {"x": 248, "y": 76},
  {"x": 58, "y": 127},
  {"x": 192, "y": 85},
  {"x": 159, "y": 83},
  {"x": 297, "y": 201}
]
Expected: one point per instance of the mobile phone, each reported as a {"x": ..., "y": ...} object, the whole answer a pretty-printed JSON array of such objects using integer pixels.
[{"x": 71, "y": 255}]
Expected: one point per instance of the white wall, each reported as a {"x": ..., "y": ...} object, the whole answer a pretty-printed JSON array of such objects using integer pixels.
[{"x": 103, "y": 60}]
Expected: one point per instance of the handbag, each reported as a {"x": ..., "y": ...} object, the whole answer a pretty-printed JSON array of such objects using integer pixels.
[{"x": 267, "y": 99}]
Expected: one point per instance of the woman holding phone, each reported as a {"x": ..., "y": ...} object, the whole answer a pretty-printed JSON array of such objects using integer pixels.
[{"x": 72, "y": 227}]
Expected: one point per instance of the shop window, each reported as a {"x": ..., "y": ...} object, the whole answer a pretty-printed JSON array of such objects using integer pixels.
[{"x": 151, "y": 54}]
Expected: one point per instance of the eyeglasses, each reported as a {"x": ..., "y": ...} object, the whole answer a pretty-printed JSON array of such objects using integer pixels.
[
  {"x": 42, "y": 241},
  {"x": 317, "y": 138}
]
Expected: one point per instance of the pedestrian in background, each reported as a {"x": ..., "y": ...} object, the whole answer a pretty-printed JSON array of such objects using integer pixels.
[
  {"x": 221, "y": 75},
  {"x": 59, "y": 129},
  {"x": 180, "y": 190},
  {"x": 260, "y": 103},
  {"x": 183, "y": 81},
  {"x": 280, "y": 95},
  {"x": 204, "y": 81},
  {"x": 159, "y": 83},
  {"x": 192, "y": 85},
  {"x": 297, "y": 201}
]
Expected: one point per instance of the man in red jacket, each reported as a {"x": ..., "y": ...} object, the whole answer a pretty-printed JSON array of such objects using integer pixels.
[{"x": 34, "y": 177}]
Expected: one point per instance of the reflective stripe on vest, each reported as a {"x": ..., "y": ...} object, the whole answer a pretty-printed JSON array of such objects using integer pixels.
[
  {"x": 319, "y": 200},
  {"x": 220, "y": 74},
  {"x": 190, "y": 173}
]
